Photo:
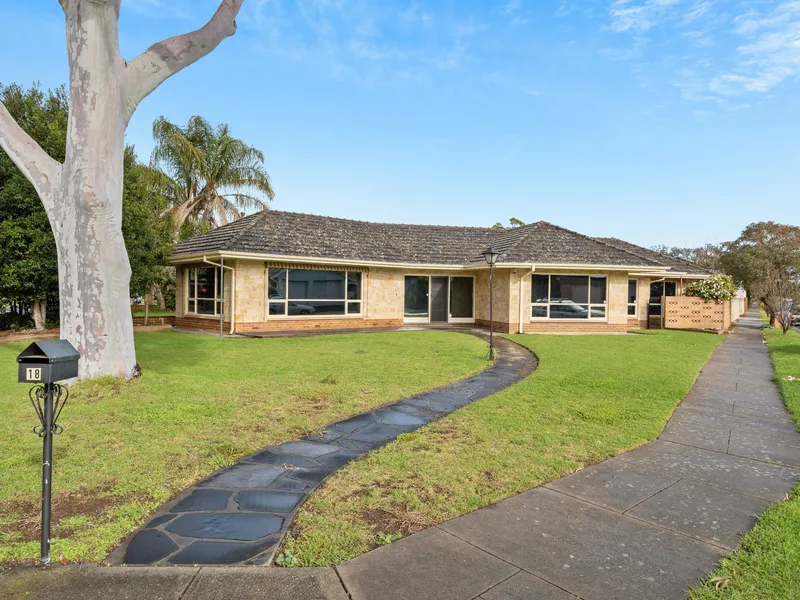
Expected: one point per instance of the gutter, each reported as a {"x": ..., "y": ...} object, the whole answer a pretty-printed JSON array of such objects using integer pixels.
[{"x": 221, "y": 265}]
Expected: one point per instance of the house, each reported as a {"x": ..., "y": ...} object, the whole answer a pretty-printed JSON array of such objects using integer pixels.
[{"x": 282, "y": 271}]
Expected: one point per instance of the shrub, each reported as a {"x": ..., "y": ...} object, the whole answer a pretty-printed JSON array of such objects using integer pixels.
[{"x": 716, "y": 287}]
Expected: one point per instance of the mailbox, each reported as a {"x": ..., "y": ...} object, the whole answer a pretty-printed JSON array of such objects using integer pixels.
[{"x": 48, "y": 362}]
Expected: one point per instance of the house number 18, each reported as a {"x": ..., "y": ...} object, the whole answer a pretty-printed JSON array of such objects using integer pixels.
[{"x": 33, "y": 374}]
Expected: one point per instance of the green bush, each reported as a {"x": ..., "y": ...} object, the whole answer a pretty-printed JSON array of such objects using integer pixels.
[{"x": 716, "y": 287}]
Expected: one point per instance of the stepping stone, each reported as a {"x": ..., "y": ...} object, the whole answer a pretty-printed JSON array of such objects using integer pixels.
[
  {"x": 288, "y": 485},
  {"x": 389, "y": 416},
  {"x": 337, "y": 460},
  {"x": 305, "y": 449},
  {"x": 353, "y": 423},
  {"x": 203, "y": 500},
  {"x": 374, "y": 433},
  {"x": 219, "y": 553},
  {"x": 244, "y": 475},
  {"x": 358, "y": 447},
  {"x": 148, "y": 546},
  {"x": 310, "y": 476},
  {"x": 280, "y": 502},
  {"x": 159, "y": 520},
  {"x": 229, "y": 526},
  {"x": 268, "y": 457}
]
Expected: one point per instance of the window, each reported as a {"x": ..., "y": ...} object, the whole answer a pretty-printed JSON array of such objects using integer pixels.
[
  {"x": 568, "y": 296},
  {"x": 633, "y": 285},
  {"x": 305, "y": 292},
  {"x": 204, "y": 291}
]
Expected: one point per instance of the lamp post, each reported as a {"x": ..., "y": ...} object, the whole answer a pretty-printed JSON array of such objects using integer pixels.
[{"x": 491, "y": 258}]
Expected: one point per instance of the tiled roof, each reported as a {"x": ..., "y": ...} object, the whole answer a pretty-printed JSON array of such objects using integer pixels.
[
  {"x": 278, "y": 233},
  {"x": 675, "y": 264}
]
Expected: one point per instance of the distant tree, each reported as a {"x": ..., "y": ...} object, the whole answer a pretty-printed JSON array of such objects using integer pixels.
[
  {"x": 147, "y": 227},
  {"x": 765, "y": 260},
  {"x": 706, "y": 256},
  {"x": 209, "y": 175},
  {"x": 28, "y": 260},
  {"x": 512, "y": 223}
]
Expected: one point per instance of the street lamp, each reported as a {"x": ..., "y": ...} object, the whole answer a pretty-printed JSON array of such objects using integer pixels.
[{"x": 491, "y": 256}]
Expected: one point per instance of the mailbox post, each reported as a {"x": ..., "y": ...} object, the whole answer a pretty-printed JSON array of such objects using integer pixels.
[{"x": 44, "y": 364}]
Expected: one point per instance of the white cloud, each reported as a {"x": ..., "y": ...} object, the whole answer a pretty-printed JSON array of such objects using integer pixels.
[
  {"x": 770, "y": 54},
  {"x": 638, "y": 16}
]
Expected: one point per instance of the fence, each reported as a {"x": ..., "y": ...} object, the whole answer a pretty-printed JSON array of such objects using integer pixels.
[{"x": 685, "y": 312}]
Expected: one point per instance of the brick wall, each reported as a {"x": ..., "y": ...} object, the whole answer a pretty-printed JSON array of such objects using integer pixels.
[
  {"x": 138, "y": 321},
  {"x": 202, "y": 324},
  {"x": 577, "y": 327},
  {"x": 313, "y": 324}
]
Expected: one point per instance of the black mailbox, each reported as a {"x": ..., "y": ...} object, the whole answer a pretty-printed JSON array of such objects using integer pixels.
[{"x": 48, "y": 361}]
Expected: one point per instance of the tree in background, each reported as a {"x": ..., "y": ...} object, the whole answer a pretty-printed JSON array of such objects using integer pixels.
[
  {"x": 28, "y": 259},
  {"x": 704, "y": 256},
  {"x": 210, "y": 176},
  {"x": 512, "y": 224},
  {"x": 28, "y": 264},
  {"x": 765, "y": 260},
  {"x": 83, "y": 194},
  {"x": 148, "y": 230}
]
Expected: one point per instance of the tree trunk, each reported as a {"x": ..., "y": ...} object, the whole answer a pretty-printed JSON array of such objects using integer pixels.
[
  {"x": 162, "y": 304},
  {"x": 94, "y": 272},
  {"x": 39, "y": 311}
]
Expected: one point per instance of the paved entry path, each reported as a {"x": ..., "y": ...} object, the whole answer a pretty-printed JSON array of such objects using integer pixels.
[
  {"x": 644, "y": 525},
  {"x": 239, "y": 515}
]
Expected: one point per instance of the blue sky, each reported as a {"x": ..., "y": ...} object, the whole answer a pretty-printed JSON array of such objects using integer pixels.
[{"x": 656, "y": 121}]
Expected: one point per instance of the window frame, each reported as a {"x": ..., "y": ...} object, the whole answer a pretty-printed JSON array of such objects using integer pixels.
[
  {"x": 450, "y": 319},
  {"x": 191, "y": 295},
  {"x": 635, "y": 302},
  {"x": 589, "y": 304},
  {"x": 285, "y": 301}
]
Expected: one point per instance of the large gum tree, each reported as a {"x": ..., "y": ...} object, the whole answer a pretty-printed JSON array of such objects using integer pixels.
[{"x": 83, "y": 196}]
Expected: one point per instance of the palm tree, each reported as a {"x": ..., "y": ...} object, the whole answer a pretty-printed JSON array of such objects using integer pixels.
[{"x": 209, "y": 176}]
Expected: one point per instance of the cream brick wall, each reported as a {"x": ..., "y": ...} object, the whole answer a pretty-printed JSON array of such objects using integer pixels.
[
  {"x": 250, "y": 291},
  {"x": 384, "y": 293}
]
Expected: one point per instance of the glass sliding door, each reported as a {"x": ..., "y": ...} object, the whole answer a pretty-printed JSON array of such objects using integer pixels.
[
  {"x": 439, "y": 299},
  {"x": 461, "y": 299},
  {"x": 416, "y": 298}
]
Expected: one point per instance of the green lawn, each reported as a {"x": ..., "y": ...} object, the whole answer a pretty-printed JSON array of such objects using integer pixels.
[
  {"x": 767, "y": 566},
  {"x": 155, "y": 313},
  {"x": 592, "y": 397},
  {"x": 201, "y": 403}
]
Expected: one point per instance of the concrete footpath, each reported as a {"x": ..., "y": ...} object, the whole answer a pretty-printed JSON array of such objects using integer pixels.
[{"x": 647, "y": 524}]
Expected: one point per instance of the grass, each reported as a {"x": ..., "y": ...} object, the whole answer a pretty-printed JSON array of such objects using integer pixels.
[
  {"x": 155, "y": 313},
  {"x": 592, "y": 397},
  {"x": 201, "y": 404},
  {"x": 767, "y": 565}
]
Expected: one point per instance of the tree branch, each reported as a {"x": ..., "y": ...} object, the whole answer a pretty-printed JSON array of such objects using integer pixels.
[
  {"x": 37, "y": 166},
  {"x": 162, "y": 60}
]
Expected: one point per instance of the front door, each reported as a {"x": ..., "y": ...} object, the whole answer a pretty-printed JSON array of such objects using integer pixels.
[
  {"x": 655, "y": 309},
  {"x": 439, "y": 298}
]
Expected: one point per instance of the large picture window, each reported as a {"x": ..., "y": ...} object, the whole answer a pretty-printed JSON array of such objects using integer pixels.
[
  {"x": 204, "y": 295},
  {"x": 568, "y": 296},
  {"x": 306, "y": 292}
]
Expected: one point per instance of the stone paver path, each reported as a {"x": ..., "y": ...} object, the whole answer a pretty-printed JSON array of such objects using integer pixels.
[
  {"x": 239, "y": 515},
  {"x": 644, "y": 525}
]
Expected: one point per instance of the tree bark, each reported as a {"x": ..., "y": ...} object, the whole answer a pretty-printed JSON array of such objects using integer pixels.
[
  {"x": 162, "y": 304},
  {"x": 39, "y": 312}
]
